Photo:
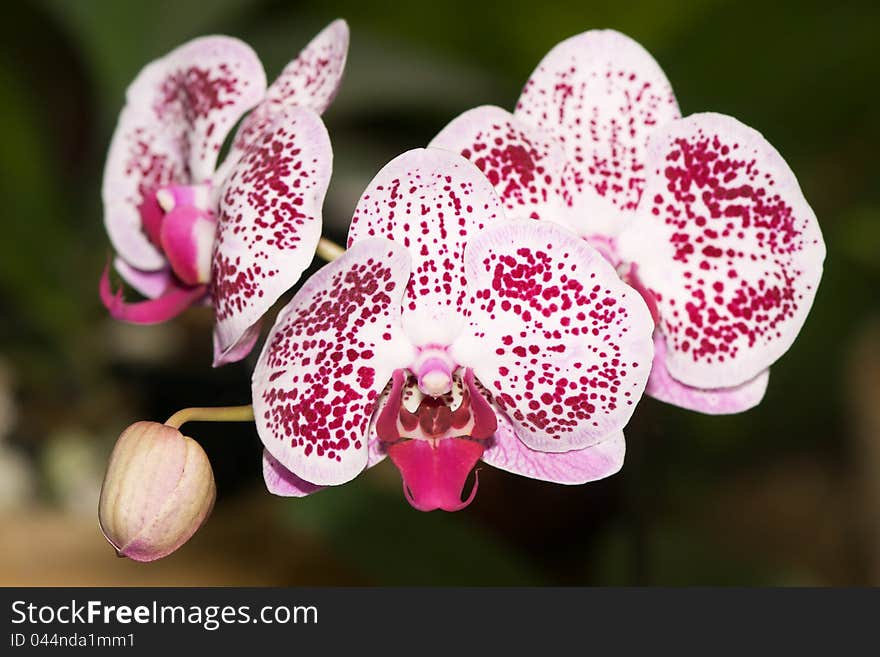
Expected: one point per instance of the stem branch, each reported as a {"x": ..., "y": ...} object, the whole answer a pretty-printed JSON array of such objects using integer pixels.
[
  {"x": 216, "y": 414},
  {"x": 328, "y": 250}
]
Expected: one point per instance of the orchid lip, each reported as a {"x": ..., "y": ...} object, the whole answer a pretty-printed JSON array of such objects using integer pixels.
[
  {"x": 183, "y": 226},
  {"x": 435, "y": 473},
  {"x": 435, "y": 441}
]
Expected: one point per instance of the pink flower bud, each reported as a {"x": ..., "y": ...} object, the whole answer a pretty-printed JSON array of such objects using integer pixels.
[{"x": 158, "y": 490}]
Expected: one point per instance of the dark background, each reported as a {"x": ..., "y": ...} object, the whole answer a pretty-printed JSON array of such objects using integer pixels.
[{"x": 788, "y": 493}]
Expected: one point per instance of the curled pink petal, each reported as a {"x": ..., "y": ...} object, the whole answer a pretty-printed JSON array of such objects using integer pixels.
[
  {"x": 151, "y": 215},
  {"x": 434, "y": 475},
  {"x": 187, "y": 236},
  {"x": 173, "y": 301}
]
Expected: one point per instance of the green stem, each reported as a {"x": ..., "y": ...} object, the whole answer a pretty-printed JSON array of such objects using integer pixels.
[
  {"x": 215, "y": 414},
  {"x": 328, "y": 250}
]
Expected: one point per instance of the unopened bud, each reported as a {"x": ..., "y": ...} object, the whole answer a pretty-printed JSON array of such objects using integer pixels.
[{"x": 158, "y": 490}]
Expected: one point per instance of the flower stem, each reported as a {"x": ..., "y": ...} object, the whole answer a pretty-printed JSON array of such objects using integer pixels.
[
  {"x": 328, "y": 250},
  {"x": 216, "y": 414}
]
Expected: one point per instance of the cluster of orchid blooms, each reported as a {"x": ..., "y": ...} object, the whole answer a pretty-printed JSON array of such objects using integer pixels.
[{"x": 508, "y": 293}]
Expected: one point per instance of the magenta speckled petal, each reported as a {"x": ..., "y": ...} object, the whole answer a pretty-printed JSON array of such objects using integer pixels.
[
  {"x": 728, "y": 245},
  {"x": 327, "y": 360},
  {"x": 507, "y": 452},
  {"x": 525, "y": 166},
  {"x": 269, "y": 224},
  {"x": 178, "y": 112},
  {"x": 432, "y": 202},
  {"x": 715, "y": 401},
  {"x": 602, "y": 95},
  {"x": 561, "y": 343},
  {"x": 311, "y": 80}
]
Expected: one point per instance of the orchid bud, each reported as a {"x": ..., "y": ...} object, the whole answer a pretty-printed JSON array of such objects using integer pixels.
[{"x": 158, "y": 490}]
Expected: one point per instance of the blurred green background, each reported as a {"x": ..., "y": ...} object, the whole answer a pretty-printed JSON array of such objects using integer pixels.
[{"x": 788, "y": 493}]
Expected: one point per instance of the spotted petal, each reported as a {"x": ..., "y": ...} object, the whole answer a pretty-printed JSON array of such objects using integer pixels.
[
  {"x": 729, "y": 246},
  {"x": 561, "y": 343},
  {"x": 602, "y": 95},
  {"x": 178, "y": 112},
  {"x": 507, "y": 452},
  {"x": 715, "y": 401},
  {"x": 311, "y": 80},
  {"x": 282, "y": 482},
  {"x": 432, "y": 202},
  {"x": 269, "y": 224},
  {"x": 328, "y": 358},
  {"x": 525, "y": 166}
]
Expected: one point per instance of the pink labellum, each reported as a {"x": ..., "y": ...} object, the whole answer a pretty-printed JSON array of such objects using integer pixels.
[
  {"x": 561, "y": 343},
  {"x": 152, "y": 214},
  {"x": 171, "y": 303},
  {"x": 728, "y": 245},
  {"x": 434, "y": 475},
  {"x": 712, "y": 401},
  {"x": 601, "y": 95},
  {"x": 188, "y": 240}
]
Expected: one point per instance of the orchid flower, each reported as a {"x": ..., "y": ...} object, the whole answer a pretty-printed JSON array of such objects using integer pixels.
[
  {"x": 447, "y": 334},
  {"x": 700, "y": 214},
  {"x": 234, "y": 237}
]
